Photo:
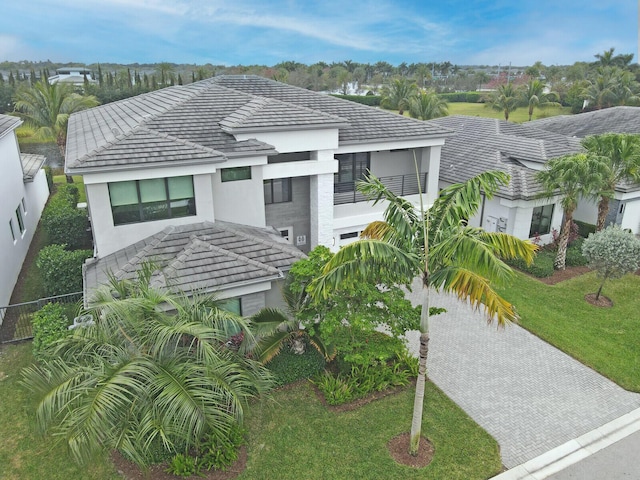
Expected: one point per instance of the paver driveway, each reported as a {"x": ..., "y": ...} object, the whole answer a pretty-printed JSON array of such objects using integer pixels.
[{"x": 529, "y": 395}]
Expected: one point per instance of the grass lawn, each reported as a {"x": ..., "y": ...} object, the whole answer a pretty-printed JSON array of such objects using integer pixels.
[
  {"x": 291, "y": 436},
  {"x": 605, "y": 339},
  {"x": 520, "y": 115}
]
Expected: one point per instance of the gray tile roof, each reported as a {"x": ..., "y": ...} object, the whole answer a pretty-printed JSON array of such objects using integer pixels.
[
  {"x": 200, "y": 256},
  {"x": 608, "y": 120},
  {"x": 31, "y": 163},
  {"x": 202, "y": 116},
  {"x": 366, "y": 124},
  {"x": 8, "y": 123},
  {"x": 482, "y": 144}
]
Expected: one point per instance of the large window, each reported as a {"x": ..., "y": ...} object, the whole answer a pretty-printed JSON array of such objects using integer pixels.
[
  {"x": 277, "y": 190},
  {"x": 154, "y": 199},
  {"x": 541, "y": 221},
  {"x": 352, "y": 167}
]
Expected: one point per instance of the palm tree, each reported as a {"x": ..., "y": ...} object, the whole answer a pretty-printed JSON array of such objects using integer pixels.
[
  {"x": 398, "y": 95},
  {"x": 571, "y": 177},
  {"x": 622, "y": 154},
  {"x": 534, "y": 96},
  {"x": 505, "y": 99},
  {"x": 47, "y": 109},
  {"x": 427, "y": 105},
  {"x": 440, "y": 247},
  {"x": 154, "y": 370}
]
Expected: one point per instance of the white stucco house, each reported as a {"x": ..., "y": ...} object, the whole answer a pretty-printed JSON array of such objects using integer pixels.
[
  {"x": 24, "y": 190},
  {"x": 72, "y": 76},
  {"x": 624, "y": 207},
  {"x": 482, "y": 144},
  {"x": 226, "y": 182}
]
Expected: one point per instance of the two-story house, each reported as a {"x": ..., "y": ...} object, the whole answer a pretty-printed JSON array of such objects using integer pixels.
[
  {"x": 24, "y": 189},
  {"x": 225, "y": 182}
]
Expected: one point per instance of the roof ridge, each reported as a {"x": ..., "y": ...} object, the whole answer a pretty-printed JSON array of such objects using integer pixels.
[
  {"x": 283, "y": 247},
  {"x": 148, "y": 248}
]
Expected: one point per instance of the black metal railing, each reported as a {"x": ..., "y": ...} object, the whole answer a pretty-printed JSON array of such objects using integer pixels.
[
  {"x": 16, "y": 320},
  {"x": 346, "y": 192}
]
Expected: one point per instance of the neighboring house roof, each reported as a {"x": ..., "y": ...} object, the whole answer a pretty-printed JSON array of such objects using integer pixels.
[
  {"x": 614, "y": 120},
  {"x": 209, "y": 256},
  {"x": 201, "y": 118},
  {"x": 8, "y": 123},
  {"x": 482, "y": 144},
  {"x": 31, "y": 164}
]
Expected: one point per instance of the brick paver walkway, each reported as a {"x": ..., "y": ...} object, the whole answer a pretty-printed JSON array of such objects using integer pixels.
[{"x": 528, "y": 395}]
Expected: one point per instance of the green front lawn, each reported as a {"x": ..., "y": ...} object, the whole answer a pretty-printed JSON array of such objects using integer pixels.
[
  {"x": 520, "y": 115},
  {"x": 605, "y": 339},
  {"x": 291, "y": 436}
]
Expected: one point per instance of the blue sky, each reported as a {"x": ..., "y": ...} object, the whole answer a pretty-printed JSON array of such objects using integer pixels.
[{"x": 464, "y": 32}]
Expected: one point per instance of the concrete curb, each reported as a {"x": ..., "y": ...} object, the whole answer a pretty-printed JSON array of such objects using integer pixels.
[{"x": 575, "y": 450}]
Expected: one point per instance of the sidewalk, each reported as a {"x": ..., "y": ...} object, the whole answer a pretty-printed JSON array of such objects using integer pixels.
[{"x": 528, "y": 395}]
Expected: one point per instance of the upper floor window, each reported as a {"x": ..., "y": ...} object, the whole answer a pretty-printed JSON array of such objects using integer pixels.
[
  {"x": 352, "y": 167},
  {"x": 236, "y": 173},
  {"x": 541, "y": 221},
  {"x": 153, "y": 199},
  {"x": 277, "y": 190}
]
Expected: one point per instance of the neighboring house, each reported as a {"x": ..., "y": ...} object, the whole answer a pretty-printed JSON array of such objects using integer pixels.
[
  {"x": 24, "y": 190},
  {"x": 72, "y": 75},
  {"x": 482, "y": 144},
  {"x": 624, "y": 208},
  {"x": 184, "y": 170}
]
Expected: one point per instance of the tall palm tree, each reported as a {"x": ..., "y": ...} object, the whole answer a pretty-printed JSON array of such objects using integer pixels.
[
  {"x": 47, "y": 109},
  {"x": 439, "y": 246},
  {"x": 622, "y": 154},
  {"x": 505, "y": 99},
  {"x": 427, "y": 105},
  {"x": 398, "y": 95},
  {"x": 533, "y": 95},
  {"x": 154, "y": 369},
  {"x": 571, "y": 177}
]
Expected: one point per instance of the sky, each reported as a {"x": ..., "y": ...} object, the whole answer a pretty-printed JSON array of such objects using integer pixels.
[{"x": 266, "y": 32}]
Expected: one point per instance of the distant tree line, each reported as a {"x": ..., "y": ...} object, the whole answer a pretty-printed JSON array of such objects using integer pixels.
[{"x": 610, "y": 80}]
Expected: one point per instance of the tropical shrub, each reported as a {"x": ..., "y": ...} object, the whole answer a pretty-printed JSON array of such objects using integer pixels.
[
  {"x": 219, "y": 452},
  {"x": 61, "y": 269},
  {"x": 50, "y": 324},
  {"x": 575, "y": 258},
  {"x": 155, "y": 365},
  {"x": 288, "y": 367},
  {"x": 612, "y": 253},
  {"x": 584, "y": 229},
  {"x": 364, "y": 348},
  {"x": 183, "y": 465},
  {"x": 541, "y": 267}
]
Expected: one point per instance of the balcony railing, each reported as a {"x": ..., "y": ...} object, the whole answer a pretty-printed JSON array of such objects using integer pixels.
[{"x": 403, "y": 185}]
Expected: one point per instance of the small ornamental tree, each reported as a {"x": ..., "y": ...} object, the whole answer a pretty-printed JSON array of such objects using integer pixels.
[{"x": 612, "y": 253}]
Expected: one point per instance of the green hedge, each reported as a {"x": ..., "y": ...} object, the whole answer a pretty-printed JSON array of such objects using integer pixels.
[
  {"x": 63, "y": 221},
  {"x": 370, "y": 100},
  {"x": 462, "y": 97},
  {"x": 575, "y": 258},
  {"x": 584, "y": 229},
  {"x": 541, "y": 267},
  {"x": 50, "y": 323},
  {"x": 61, "y": 269},
  {"x": 288, "y": 367}
]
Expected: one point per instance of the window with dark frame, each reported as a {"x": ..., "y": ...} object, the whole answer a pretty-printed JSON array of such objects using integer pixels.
[
  {"x": 137, "y": 201},
  {"x": 20, "y": 220},
  {"x": 13, "y": 233},
  {"x": 235, "y": 174},
  {"x": 352, "y": 167},
  {"x": 277, "y": 190},
  {"x": 541, "y": 220},
  {"x": 345, "y": 236}
]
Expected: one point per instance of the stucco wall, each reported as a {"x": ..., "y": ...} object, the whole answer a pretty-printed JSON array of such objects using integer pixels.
[
  {"x": 13, "y": 190},
  {"x": 293, "y": 214}
]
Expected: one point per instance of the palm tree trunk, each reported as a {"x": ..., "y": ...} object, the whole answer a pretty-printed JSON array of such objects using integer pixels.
[
  {"x": 603, "y": 210},
  {"x": 561, "y": 257},
  {"x": 418, "y": 399}
]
